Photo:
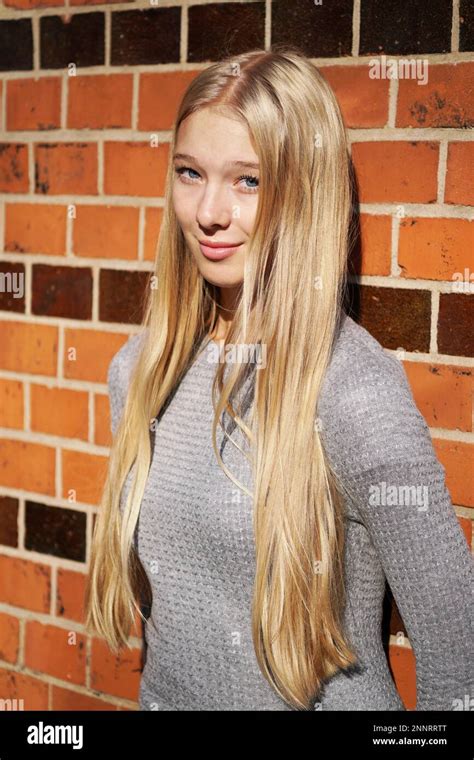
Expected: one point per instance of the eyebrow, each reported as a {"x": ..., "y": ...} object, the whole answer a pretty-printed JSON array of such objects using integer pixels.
[{"x": 237, "y": 163}]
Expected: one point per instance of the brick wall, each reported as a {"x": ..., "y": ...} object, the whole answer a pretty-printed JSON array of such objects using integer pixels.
[{"x": 82, "y": 98}]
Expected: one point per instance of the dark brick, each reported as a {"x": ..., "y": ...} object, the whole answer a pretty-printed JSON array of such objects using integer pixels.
[
  {"x": 220, "y": 29},
  {"x": 54, "y": 530},
  {"x": 8, "y": 521},
  {"x": 12, "y": 279},
  {"x": 466, "y": 25},
  {"x": 79, "y": 40},
  {"x": 145, "y": 36},
  {"x": 122, "y": 295},
  {"x": 404, "y": 27},
  {"x": 62, "y": 291},
  {"x": 396, "y": 317},
  {"x": 16, "y": 45},
  {"x": 455, "y": 321},
  {"x": 318, "y": 30}
]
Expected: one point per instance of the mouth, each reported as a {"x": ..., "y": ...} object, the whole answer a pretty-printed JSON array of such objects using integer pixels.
[{"x": 218, "y": 251}]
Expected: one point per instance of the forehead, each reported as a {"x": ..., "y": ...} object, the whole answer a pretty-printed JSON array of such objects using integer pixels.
[{"x": 215, "y": 136}]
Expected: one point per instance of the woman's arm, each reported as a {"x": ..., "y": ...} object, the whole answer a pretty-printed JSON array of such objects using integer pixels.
[
  {"x": 408, "y": 513},
  {"x": 381, "y": 448}
]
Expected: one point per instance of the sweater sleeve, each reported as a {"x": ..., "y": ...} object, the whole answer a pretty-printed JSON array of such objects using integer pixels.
[
  {"x": 116, "y": 394},
  {"x": 381, "y": 449},
  {"x": 408, "y": 513},
  {"x": 118, "y": 378}
]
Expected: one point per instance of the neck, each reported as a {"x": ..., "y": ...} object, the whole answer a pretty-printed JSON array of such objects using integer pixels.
[{"x": 228, "y": 300}]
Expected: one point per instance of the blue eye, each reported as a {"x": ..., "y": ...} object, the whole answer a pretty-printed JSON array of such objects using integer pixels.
[
  {"x": 182, "y": 169},
  {"x": 250, "y": 178},
  {"x": 252, "y": 188}
]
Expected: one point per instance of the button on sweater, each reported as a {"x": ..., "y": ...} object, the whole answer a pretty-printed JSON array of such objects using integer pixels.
[{"x": 195, "y": 541}]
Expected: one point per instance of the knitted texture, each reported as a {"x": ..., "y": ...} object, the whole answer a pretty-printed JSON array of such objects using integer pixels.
[{"x": 195, "y": 540}]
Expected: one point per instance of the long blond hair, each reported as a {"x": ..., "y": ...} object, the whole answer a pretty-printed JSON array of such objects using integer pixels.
[{"x": 291, "y": 302}]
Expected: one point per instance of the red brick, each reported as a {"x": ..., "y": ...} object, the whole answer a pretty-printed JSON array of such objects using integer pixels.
[
  {"x": 28, "y": 4},
  {"x": 9, "y": 637},
  {"x": 363, "y": 101},
  {"x": 443, "y": 393},
  {"x": 25, "y": 584},
  {"x": 460, "y": 174},
  {"x": 435, "y": 249},
  {"x": 27, "y": 347},
  {"x": 83, "y": 476},
  {"x": 103, "y": 435},
  {"x": 396, "y": 171},
  {"x": 403, "y": 665},
  {"x": 56, "y": 651},
  {"x": 13, "y": 168},
  {"x": 88, "y": 94},
  {"x": 34, "y": 103},
  {"x": 30, "y": 693},
  {"x": 11, "y": 404},
  {"x": 66, "y": 699},
  {"x": 135, "y": 168},
  {"x": 159, "y": 98},
  {"x": 457, "y": 459},
  {"x": 153, "y": 221},
  {"x": 447, "y": 100},
  {"x": 66, "y": 168},
  {"x": 29, "y": 466},
  {"x": 118, "y": 675},
  {"x": 70, "y": 595},
  {"x": 107, "y": 232},
  {"x": 60, "y": 411},
  {"x": 88, "y": 353},
  {"x": 375, "y": 244},
  {"x": 35, "y": 228}
]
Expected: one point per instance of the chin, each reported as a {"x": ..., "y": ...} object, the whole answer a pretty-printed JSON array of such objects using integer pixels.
[
  {"x": 223, "y": 274},
  {"x": 221, "y": 280}
]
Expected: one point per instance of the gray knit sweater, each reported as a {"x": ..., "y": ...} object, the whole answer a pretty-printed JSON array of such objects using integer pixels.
[{"x": 194, "y": 538}]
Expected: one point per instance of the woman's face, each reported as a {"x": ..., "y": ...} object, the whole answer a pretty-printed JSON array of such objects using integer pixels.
[{"x": 215, "y": 191}]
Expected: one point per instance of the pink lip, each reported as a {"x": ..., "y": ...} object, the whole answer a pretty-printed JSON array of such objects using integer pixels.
[{"x": 216, "y": 252}]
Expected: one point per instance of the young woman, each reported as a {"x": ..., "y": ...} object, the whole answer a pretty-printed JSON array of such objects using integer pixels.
[{"x": 257, "y": 501}]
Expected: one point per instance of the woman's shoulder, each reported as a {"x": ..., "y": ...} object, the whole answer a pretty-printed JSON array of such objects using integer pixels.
[
  {"x": 359, "y": 365},
  {"x": 356, "y": 347},
  {"x": 119, "y": 374},
  {"x": 123, "y": 361},
  {"x": 367, "y": 413}
]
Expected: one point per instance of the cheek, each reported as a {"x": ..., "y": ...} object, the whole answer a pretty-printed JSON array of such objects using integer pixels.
[
  {"x": 248, "y": 213},
  {"x": 183, "y": 205}
]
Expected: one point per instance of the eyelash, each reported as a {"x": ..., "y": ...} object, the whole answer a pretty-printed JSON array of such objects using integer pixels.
[{"x": 181, "y": 169}]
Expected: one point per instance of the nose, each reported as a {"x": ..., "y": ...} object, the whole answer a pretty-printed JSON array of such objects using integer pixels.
[{"x": 214, "y": 208}]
